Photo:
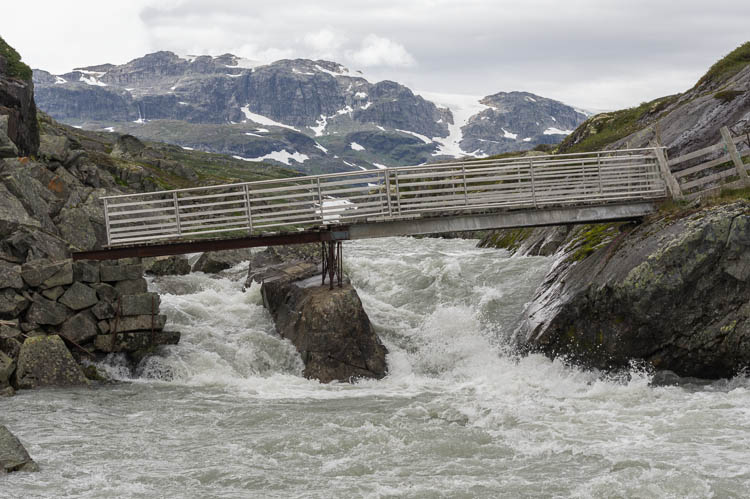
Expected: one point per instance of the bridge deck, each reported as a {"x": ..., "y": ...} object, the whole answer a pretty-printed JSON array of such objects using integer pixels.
[{"x": 391, "y": 201}]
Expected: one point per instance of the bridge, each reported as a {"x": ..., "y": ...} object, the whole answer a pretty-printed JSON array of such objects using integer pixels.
[{"x": 412, "y": 200}]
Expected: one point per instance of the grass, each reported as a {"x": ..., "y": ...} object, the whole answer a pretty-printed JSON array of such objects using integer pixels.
[
  {"x": 603, "y": 129},
  {"x": 727, "y": 67},
  {"x": 16, "y": 68},
  {"x": 727, "y": 95},
  {"x": 591, "y": 238}
]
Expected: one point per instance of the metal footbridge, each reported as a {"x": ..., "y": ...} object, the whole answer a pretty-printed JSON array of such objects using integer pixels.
[{"x": 444, "y": 197}]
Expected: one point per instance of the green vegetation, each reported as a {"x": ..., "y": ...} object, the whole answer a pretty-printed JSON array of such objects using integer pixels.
[
  {"x": 727, "y": 95},
  {"x": 15, "y": 68},
  {"x": 727, "y": 67},
  {"x": 606, "y": 128},
  {"x": 591, "y": 237},
  {"x": 510, "y": 239}
]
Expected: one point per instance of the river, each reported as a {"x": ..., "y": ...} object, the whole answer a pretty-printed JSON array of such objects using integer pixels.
[{"x": 226, "y": 413}]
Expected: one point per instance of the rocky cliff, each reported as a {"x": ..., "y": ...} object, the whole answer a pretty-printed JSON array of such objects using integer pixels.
[
  {"x": 313, "y": 116},
  {"x": 672, "y": 292},
  {"x": 17, "y": 103}
]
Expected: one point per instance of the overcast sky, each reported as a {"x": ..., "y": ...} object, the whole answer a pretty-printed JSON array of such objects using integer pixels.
[{"x": 597, "y": 54}]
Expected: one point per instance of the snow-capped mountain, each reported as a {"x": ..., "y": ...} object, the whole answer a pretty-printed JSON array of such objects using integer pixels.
[{"x": 314, "y": 116}]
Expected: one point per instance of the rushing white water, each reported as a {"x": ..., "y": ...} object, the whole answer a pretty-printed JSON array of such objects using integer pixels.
[{"x": 227, "y": 414}]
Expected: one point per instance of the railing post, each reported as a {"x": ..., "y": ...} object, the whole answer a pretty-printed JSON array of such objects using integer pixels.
[
  {"x": 599, "y": 170},
  {"x": 732, "y": 150},
  {"x": 106, "y": 220},
  {"x": 248, "y": 210},
  {"x": 466, "y": 189},
  {"x": 398, "y": 192},
  {"x": 672, "y": 185},
  {"x": 533, "y": 187},
  {"x": 320, "y": 200},
  {"x": 388, "y": 191},
  {"x": 176, "y": 213}
]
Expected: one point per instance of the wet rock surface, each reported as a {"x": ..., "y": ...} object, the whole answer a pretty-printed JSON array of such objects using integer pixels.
[
  {"x": 329, "y": 328},
  {"x": 675, "y": 292},
  {"x": 13, "y": 455}
]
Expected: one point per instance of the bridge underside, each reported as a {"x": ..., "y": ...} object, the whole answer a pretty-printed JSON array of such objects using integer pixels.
[{"x": 404, "y": 227}]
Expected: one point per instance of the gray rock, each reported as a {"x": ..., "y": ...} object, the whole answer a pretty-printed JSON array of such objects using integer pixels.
[
  {"x": 34, "y": 197},
  {"x": 138, "y": 323},
  {"x": 54, "y": 147},
  {"x": 122, "y": 272},
  {"x": 140, "y": 304},
  {"x": 12, "y": 213},
  {"x": 12, "y": 304},
  {"x": 86, "y": 271},
  {"x": 167, "y": 265},
  {"x": 329, "y": 328},
  {"x": 7, "y": 148},
  {"x": 80, "y": 328},
  {"x": 46, "y": 361},
  {"x": 106, "y": 292},
  {"x": 78, "y": 297},
  {"x": 10, "y": 275},
  {"x": 46, "y": 312},
  {"x": 13, "y": 456},
  {"x": 131, "y": 342},
  {"x": 7, "y": 366},
  {"x": 53, "y": 293},
  {"x": 103, "y": 310},
  {"x": 76, "y": 228},
  {"x": 103, "y": 327},
  {"x": 212, "y": 262},
  {"x": 673, "y": 292},
  {"x": 131, "y": 286},
  {"x": 27, "y": 244},
  {"x": 45, "y": 274}
]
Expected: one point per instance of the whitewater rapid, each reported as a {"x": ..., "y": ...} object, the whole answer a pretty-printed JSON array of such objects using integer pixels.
[{"x": 226, "y": 412}]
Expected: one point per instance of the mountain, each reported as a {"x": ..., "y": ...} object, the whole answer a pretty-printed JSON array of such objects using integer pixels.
[{"x": 313, "y": 116}]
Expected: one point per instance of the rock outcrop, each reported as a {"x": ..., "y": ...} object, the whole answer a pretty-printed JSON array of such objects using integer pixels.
[
  {"x": 13, "y": 455},
  {"x": 673, "y": 292},
  {"x": 17, "y": 103},
  {"x": 45, "y": 361},
  {"x": 329, "y": 328}
]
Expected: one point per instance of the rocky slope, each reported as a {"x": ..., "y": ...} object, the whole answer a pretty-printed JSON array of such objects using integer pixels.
[
  {"x": 313, "y": 116},
  {"x": 672, "y": 292}
]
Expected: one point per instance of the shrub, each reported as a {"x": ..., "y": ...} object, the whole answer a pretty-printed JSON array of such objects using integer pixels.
[{"x": 15, "y": 68}]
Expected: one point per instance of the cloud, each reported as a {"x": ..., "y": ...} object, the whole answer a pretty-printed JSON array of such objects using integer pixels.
[
  {"x": 324, "y": 44},
  {"x": 379, "y": 51}
]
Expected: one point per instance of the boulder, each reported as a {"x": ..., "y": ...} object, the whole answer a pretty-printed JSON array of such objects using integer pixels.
[
  {"x": 134, "y": 341},
  {"x": 47, "y": 274},
  {"x": 13, "y": 456},
  {"x": 673, "y": 292},
  {"x": 54, "y": 147},
  {"x": 53, "y": 293},
  {"x": 131, "y": 286},
  {"x": 29, "y": 244},
  {"x": 106, "y": 292},
  {"x": 167, "y": 265},
  {"x": 46, "y": 312},
  {"x": 140, "y": 304},
  {"x": 79, "y": 296},
  {"x": 10, "y": 336},
  {"x": 7, "y": 366},
  {"x": 10, "y": 275},
  {"x": 138, "y": 323},
  {"x": 80, "y": 328},
  {"x": 121, "y": 272},
  {"x": 212, "y": 262},
  {"x": 12, "y": 304},
  {"x": 103, "y": 310},
  {"x": 7, "y": 148},
  {"x": 329, "y": 328},
  {"x": 12, "y": 213},
  {"x": 46, "y": 361}
]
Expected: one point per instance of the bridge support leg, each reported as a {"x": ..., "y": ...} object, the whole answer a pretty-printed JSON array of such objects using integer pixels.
[{"x": 333, "y": 264}]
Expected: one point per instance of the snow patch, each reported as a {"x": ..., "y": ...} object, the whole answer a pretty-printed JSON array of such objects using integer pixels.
[
  {"x": 356, "y": 146},
  {"x": 253, "y": 134},
  {"x": 530, "y": 99},
  {"x": 343, "y": 72},
  {"x": 321, "y": 148},
  {"x": 295, "y": 70},
  {"x": 509, "y": 135},
  {"x": 421, "y": 137},
  {"x": 109, "y": 129},
  {"x": 262, "y": 120},
  {"x": 282, "y": 156},
  {"x": 360, "y": 95},
  {"x": 527, "y": 139},
  {"x": 60, "y": 81},
  {"x": 320, "y": 125},
  {"x": 183, "y": 103},
  {"x": 91, "y": 80},
  {"x": 188, "y": 148},
  {"x": 382, "y": 167},
  {"x": 366, "y": 105},
  {"x": 463, "y": 108},
  {"x": 557, "y": 131}
]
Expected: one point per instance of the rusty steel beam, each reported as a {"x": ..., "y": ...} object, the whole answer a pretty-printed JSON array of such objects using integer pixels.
[{"x": 183, "y": 247}]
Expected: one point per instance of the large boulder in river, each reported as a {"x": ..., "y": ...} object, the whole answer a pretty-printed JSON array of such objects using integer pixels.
[
  {"x": 329, "y": 328},
  {"x": 46, "y": 361},
  {"x": 13, "y": 456},
  {"x": 675, "y": 292},
  {"x": 212, "y": 262}
]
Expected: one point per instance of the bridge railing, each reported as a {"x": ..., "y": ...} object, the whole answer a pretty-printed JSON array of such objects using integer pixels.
[{"x": 384, "y": 194}]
